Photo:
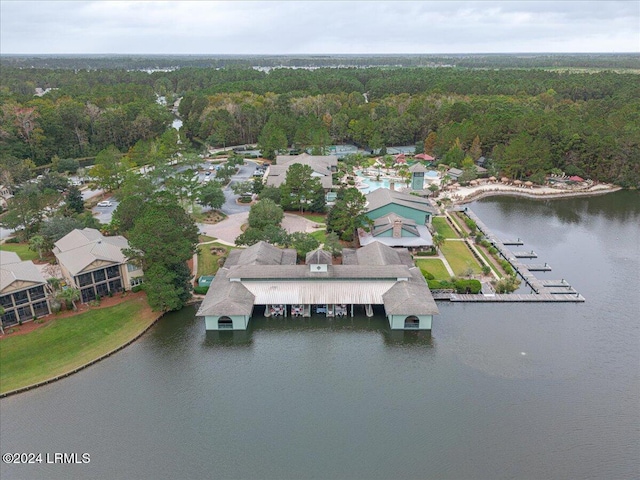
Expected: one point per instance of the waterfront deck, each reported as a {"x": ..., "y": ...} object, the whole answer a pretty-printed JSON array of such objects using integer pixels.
[{"x": 518, "y": 297}]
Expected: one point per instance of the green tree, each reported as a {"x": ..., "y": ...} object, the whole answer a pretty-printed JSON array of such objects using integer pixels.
[
  {"x": 57, "y": 227},
  {"x": 272, "y": 234},
  {"x": 110, "y": 168},
  {"x": 162, "y": 240},
  {"x": 69, "y": 296},
  {"x": 36, "y": 244},
  {"x": 272, "y": 141},
  {"x": 272, "y": 193},
  {"x": 265, "y": 212},
  {"x": 303, "y": 243},
  {"x": 211, "y": 195},
  {"x": 347, "y": 214},
  {"x": 438, "y": 240},
  {"x": 74, "y": 200},
  {"x": 332, "y": 244},
  {"x": 301, "y": 191}
]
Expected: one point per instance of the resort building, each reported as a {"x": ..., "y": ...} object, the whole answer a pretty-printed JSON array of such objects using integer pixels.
[
  {"x": 23, "y": 290},
  {"x": 323, "y": 166},
  {"x": 265, "y": 280},
  {"x": 95, "y": 264},
  {"x": 398, "y": 220}
]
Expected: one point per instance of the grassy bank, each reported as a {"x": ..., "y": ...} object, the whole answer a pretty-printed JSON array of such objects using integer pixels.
[
  {"x": 460, "y": 257},
  {"x": 22, "y": 249},
  {"x": 65, "y": 344},
  {"x": 207, "y": 260},
  {"x": 435, "y": 267},
  {"x": 442, "y": 227}
]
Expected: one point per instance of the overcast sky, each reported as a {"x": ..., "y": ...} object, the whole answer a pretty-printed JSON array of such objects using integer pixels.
[{"x": 298, "y": 27}]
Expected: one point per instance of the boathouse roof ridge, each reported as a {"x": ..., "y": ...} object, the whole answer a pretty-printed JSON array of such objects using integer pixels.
[
  {"x": 231, "y": 298},
  {"x": 301, "y": 272},
  {"x": 261, "y": 253},
  {"x": 408, "y": 297}
]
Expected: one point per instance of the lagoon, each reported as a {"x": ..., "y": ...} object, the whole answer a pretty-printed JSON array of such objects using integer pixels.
[{"x": 539, "y": 391}]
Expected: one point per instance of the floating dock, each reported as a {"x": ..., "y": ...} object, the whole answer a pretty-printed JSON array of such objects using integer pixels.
[{"x": 530, "y": 254}]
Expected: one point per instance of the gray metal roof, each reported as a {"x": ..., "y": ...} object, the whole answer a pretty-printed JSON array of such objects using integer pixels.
[
  {"x": 383, "y": 196},
  {"x": 411, "y": 297},
  {"x": 322, "y": 165},
  {"x": 302, "y": 272},
  {"x": 16, "y": 272},
  {"x": 8, "y": 257},
  {"x": 80, "y": 248},
  {"x": 261, "y": 253},
  {"x": 226, "y": 298}
]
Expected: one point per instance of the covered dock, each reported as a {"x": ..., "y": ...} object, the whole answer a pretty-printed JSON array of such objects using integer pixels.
[{"x": 267, "y": 277}]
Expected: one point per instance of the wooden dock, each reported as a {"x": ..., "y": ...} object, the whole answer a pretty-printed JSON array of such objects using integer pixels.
[
  {"x": 539, "y": 268},
  {"x": 516, "y": 243},
  {"x": 541, "y": 291},
  {"x": 516, "y": 297},
  {"x": 530, "y": 254}
]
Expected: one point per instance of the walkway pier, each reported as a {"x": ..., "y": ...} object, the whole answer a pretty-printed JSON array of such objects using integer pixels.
[{"x": 541, "y": 291}]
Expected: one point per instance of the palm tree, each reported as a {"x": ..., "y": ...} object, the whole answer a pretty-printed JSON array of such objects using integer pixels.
[
  {"x": 438, "y": 240},
  {"x": 70, "y": 296}
]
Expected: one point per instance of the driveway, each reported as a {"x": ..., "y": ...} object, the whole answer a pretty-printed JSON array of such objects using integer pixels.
[
  {"x": 228, "y": 230},
  {"x": 245, "y": 173}
]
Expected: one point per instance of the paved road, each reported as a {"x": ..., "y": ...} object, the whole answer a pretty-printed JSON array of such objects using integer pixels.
[
  {"x": 245, "y": 173},
  {"x": 230, "y": 227}
]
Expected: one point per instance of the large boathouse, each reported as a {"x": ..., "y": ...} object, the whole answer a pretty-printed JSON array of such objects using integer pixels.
[{"x": 265, "y": 280}]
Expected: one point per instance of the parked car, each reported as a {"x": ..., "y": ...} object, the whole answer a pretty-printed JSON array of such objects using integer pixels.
[{"x": 105, "y": 203}]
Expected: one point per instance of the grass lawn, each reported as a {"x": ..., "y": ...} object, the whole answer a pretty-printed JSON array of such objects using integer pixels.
[
  {"x": 458, "y": 218},
  {"x": 435, "y": 267},
  {"x": 460, "y": 257},
  {"x": 207, "y": 261},
  {"x": 443, "y": 228},
  {"x": 68, "y": 343},
  {"x": 206, "y": 238},
  {"x": 320, "y": 235},
  {"x": 490, "y": 261},
  {"x": 22, "y": 249}
]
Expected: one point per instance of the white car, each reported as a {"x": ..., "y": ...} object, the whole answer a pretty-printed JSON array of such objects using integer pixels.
[{"x": 105, "y": 203}]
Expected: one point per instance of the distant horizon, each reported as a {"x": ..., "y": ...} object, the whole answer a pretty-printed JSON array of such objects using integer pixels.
[{"x": 309, "y": 54}]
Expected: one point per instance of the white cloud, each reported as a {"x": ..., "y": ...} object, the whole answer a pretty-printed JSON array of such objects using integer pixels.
[{"x": 291, "y": 27}]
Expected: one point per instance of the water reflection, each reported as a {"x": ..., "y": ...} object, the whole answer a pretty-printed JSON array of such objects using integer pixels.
[
  {"x": 359, "y": 324},
  {"x": 234, "y": 338},
  {"x": 404, "y": 338}
]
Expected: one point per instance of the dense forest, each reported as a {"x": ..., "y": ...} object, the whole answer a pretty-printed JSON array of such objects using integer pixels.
[{"x": 527, "y": 120}]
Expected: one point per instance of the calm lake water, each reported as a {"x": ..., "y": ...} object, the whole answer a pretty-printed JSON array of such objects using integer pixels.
[{"x": 533, "y": 391}]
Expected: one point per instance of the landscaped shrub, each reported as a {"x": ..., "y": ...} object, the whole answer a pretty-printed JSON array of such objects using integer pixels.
[
  {"x": 470, "y": 223},
  {"x": 200, "y": 290},
  {"x": 426, "y": 253},
  {"x": 12, "y": 240},
  {"x": 427, "y": 275},
  {"x": 492, "y": 250},
  {"x": 136, "y": 288},
  {"x": 506, "y": 266},
  {"x": 468, "y": 286}
]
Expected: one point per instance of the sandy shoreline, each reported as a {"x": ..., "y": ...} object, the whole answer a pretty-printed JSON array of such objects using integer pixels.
[{"x": 468, "y": 194}]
